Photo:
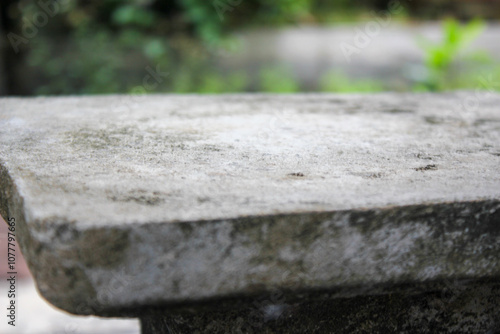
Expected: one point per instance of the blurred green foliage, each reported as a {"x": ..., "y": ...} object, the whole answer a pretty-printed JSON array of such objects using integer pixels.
[
  {"x": 104, "y": 46},
  {"x": 277, "y": 79},
  {"x": 441, "y": 59},
  {"x": 107, "y": 46},
  {"x": 337, "y": 82}
]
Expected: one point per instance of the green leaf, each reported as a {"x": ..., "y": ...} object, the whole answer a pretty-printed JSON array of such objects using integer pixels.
[
  {"x": 471, "y": 31},
  {"x": 154, "y": 49},
  {"x": 133, "y": 15}
]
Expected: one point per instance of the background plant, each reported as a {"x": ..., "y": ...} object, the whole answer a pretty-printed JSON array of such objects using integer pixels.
[
  {"x": 337, "y": 82},
  {"x": 441, "y": 59},
  {"x": 105, "y": 46}
]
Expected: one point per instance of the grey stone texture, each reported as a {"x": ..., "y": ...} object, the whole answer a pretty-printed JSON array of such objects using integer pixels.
[{"x": 127, "y": 204}]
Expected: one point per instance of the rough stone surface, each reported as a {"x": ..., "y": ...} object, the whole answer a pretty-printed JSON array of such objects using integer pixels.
[{"x": 127, "y": 202}]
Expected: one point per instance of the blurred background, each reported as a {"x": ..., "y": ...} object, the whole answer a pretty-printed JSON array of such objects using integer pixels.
[{"x": 55, "y": 47}]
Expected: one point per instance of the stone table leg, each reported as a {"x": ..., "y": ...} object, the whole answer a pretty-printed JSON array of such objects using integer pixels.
[{"x": 464, "y": 308}]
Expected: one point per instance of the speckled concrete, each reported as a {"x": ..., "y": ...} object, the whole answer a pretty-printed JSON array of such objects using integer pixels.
[{"x": 124, "y": 203}]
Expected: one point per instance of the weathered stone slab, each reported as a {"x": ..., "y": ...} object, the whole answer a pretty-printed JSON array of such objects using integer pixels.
[{"x": 124, "y": 203}]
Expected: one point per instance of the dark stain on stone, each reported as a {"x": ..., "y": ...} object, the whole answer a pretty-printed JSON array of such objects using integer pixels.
[
  {"x": 297, "y": 174},
  {"x": 423, "y": 156},
  {"x": 69, "y": 278},
  {"x": 369, "y": 175},
  {"x": 426, "y": 168},
  {"x": 186, "y": 228},
  {"x": 140, "y": 196},
  {"x": 497, "y": 154},
  {"x": 99, "y": 138},
  {"x": 64, "y": 231},
  {"x": 335, "y": 101},
  {"x": 105, "y": 248},
  {"x": 212, "y": 148},
  {"x": 398, "y": 111},
  {"x": 176, "y": 285},
  {"x": 144, "y": 200},
  {"x": 483, "y": 121},
  {"x": 313, "y": 202},
  {"x": 125, "y": 137},
  {"x": 433, "y": 120},
  {"x": 203, "y": 199}
]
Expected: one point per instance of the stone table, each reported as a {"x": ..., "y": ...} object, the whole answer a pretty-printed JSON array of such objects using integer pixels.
[{"x": 260, "y": 213}]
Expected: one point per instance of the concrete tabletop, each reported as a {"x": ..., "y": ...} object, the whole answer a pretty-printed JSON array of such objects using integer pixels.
[{"x": 124, "y": 202}]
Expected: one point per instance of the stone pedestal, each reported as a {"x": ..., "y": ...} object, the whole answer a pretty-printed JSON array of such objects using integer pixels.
[
  {"x": 458, "y": 307},
  {"x": 266, "y": 213}
]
